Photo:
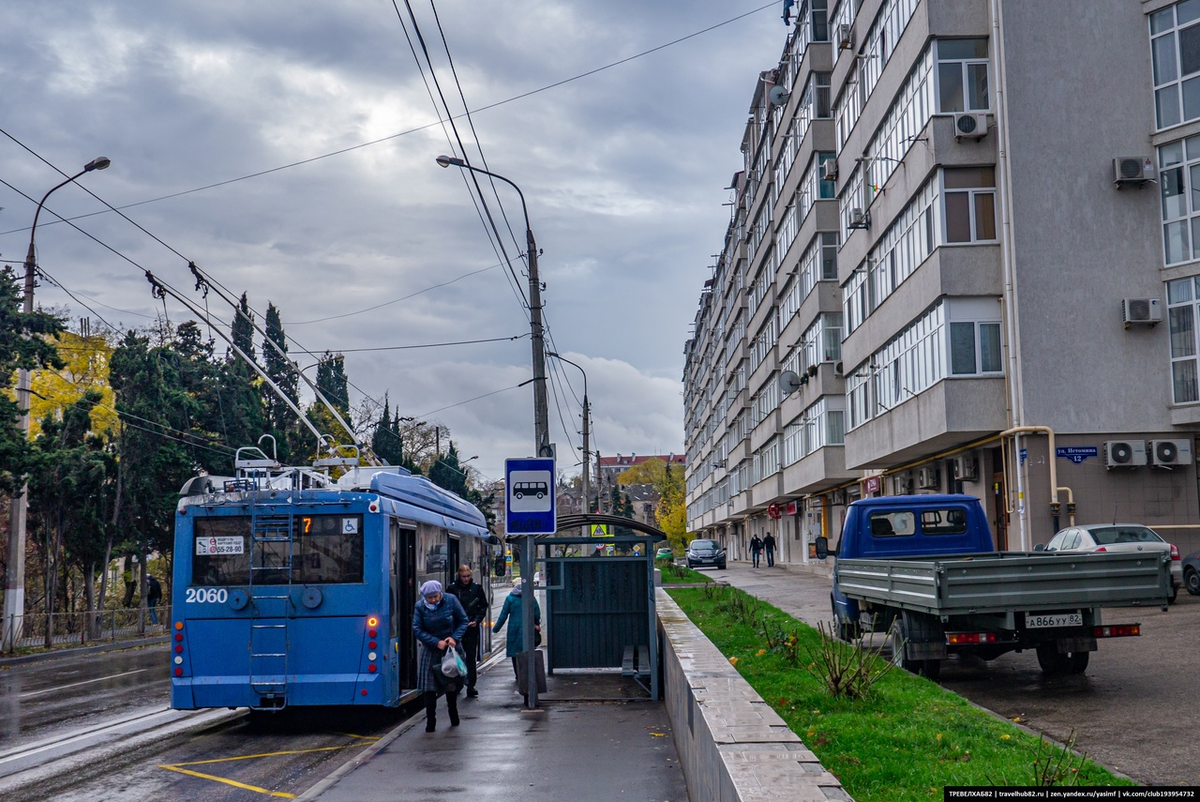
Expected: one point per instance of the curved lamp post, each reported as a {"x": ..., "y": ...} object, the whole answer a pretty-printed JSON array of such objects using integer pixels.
[
  {"x": 14, "y": 585},
  {"x": 541, "y": 415}
]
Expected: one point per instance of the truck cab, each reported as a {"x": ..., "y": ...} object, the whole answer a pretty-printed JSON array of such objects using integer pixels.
[{"x": 905, "y": 526}]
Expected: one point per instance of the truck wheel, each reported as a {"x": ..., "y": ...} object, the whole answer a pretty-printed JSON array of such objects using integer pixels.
[
  {"x": 1077, "y": 662},
  {"x": 1050, "y": 660},
  {"x": 847, "y": 631},
  {"x": 897, "y": 637},
  {"x": 932, "y": 669}
]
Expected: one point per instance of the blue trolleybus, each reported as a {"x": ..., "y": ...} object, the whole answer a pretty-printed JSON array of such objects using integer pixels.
[{"x": 292, "y": 588}]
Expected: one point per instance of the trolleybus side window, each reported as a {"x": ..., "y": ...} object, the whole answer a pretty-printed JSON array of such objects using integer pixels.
[{"x": 325, "y": 549}]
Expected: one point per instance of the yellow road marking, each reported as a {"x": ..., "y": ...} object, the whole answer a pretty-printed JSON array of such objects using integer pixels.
[
  {"x": 229, "y": 782},
  {"x": 178, "y": 767}
]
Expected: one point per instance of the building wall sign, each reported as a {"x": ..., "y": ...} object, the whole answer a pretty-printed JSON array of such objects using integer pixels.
[{"x": 1077, "y": 454}]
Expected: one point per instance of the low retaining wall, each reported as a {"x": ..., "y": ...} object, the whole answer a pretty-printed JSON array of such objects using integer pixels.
[{"x": 733, "y": 746}]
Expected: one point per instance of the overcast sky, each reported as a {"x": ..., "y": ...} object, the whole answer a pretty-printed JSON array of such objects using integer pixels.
[{"x": 288, "y": 149}]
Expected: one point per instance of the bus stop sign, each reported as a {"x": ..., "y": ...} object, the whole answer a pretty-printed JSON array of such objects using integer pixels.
[{"x": 530, "y": 502}]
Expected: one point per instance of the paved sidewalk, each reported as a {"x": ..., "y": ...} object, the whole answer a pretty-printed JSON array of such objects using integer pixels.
[{"x": 569, "y": 749}]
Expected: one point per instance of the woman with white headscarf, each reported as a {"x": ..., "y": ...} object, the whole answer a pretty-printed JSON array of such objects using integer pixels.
[{"x": 439, "y": 623}]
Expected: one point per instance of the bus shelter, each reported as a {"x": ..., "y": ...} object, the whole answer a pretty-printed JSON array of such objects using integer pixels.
[{"x": 600, "y": 610}]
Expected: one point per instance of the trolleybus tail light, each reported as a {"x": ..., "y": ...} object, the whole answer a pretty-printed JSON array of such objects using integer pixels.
[
  {"x": 178, "y": 658},
  {"x": 1117, "y": 630},
  {"x": 373, "y": 507},
  {"x": 959, "y": 638},
  {"x": 372, "y": 622}
]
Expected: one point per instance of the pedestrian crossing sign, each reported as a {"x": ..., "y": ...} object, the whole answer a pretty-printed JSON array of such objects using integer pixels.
[{"x": 599, "y": 530}]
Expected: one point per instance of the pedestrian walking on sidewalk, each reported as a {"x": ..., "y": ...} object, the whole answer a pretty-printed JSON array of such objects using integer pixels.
[
  {"x": 756, "y": 547},
  {"x": 439, "y": 622},
  {"x": 769, "y": 546},
  {"x": 153, "y": 598},
  {"x": 474, "y": 601},
  {"x": 511, "y": 612}
]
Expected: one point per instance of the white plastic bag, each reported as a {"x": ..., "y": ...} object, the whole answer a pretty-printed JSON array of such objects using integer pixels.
[{"x": 450, "y": 664}]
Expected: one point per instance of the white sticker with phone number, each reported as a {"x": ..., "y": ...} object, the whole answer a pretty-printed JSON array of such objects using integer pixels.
[{"x": 219, "y": 545}]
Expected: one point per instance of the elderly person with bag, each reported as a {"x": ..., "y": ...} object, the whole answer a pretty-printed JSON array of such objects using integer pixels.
[{"x": 439, "y": 622}]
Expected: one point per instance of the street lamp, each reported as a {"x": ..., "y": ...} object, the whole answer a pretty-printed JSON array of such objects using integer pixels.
[
  {"x": 585, "y": 430},
  {"x": 541, "y": 415},
  {"x": 14, "y": 585}
]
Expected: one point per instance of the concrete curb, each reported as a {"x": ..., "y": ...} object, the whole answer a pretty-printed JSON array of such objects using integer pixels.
[{"x": 108, "y": 646}]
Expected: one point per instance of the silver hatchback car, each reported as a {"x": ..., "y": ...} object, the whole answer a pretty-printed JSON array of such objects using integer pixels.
[{"x": 1118, "y": 537}]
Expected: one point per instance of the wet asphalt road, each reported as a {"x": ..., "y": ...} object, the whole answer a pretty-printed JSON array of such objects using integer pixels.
[{"x": 1133, "y": 709}]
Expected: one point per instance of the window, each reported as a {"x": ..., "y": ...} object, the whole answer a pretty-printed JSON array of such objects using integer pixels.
[
  {"x": 962, "y": 75},
  {"x": 974, "y": 348},
  {"x": 1175, "y": 54},
  {"x": 1179, "y": 186},
  {"x": 951, "y": 521},
  {"x": 893, "y": 524},
  {"x": 1182, "y": 296},
  {"x": 325, "y": 549},
  {"x": 970, "y": 204}
]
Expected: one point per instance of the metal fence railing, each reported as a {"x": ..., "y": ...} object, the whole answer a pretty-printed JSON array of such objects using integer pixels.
[{"x": 86, "y": 627}]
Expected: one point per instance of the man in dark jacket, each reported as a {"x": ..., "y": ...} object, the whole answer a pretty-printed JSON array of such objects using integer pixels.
[
  {"x": 769, "y": 547},
  {"x": 153, "y": 597},
  {"x": 471, "y": 596}
]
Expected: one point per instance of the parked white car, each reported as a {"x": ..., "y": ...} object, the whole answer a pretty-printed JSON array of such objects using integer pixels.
[{"x": 1118, "y": 537}]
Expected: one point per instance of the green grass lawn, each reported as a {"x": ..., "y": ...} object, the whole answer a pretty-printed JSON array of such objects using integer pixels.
[
  {"x": 679, "y": 575},
  {"x": 905, "y": 741}
]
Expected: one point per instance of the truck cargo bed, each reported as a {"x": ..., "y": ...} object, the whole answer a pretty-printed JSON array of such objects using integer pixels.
[{"x": 1000, "y": 582}]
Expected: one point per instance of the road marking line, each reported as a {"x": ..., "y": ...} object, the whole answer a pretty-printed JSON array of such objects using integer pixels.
[
  {"x": 234, "y": 783},
  {"x": 266, "y": 754},
  {"x": 178, "y": 767},
  {"x": 77, "y": 684}
]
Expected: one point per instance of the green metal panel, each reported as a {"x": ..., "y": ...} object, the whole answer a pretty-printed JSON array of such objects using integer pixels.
[{"x": 597, "y": 607}]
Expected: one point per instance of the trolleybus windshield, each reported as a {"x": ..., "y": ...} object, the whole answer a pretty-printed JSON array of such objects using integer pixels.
[{"x": 325, "y": 549}]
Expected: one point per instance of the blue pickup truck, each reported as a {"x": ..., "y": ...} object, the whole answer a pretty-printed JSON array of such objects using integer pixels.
[{"x": 924, "y": 570}]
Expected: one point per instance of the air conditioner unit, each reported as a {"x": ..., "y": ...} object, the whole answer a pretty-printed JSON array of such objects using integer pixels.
[
  {"x": 901, "y": 484},
  {"x": 1170, "y": 452},
  {"x": 1124, "y": 453},
  {"x": 965, "y": 468},
  {"x": 829, "y": 170},
  {"x": 1141, "y": 310},
  {"x": 845, "y": 36},
  {"x": 970, "y": 124},
  {"x": 1132, "y": 171},
  {"x": 859, "y": 218},
  {"x": 928, "y": 478}
]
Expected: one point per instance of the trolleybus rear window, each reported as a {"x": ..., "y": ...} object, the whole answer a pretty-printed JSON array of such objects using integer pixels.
[{"x": 325, "y": 549}]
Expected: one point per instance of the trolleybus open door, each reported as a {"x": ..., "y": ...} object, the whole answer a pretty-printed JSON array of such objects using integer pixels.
[{"x": 404, "y": 596}]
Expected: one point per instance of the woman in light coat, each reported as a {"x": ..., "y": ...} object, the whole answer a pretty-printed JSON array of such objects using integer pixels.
[{"x": 512, "y": 613}]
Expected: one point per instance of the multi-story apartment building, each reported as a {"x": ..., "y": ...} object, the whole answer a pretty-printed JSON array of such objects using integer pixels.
[{"x": 964, "y": 255}]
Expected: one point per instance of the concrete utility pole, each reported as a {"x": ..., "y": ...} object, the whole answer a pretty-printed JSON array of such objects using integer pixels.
[
  {"x": 541, "y": 413},
  {"x": 541, "y": 418},
  {"x": 14, "y": 580}
]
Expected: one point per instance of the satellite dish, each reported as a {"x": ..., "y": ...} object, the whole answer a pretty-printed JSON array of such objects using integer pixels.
[
  {"x": 778, "y": 95},
  {"x": 789, "y": 382}
]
